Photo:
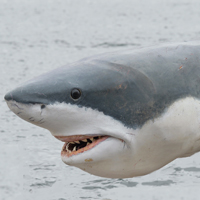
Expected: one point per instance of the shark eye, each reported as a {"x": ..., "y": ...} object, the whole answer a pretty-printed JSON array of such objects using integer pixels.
[{"x": 75, "y": 93}]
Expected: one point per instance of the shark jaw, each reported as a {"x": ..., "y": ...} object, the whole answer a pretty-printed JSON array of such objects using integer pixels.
[
  {"x": 113, "y": 150},
  {"x": 74, "y": 126}
]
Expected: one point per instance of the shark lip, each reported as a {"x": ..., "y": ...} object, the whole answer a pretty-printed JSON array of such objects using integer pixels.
[
  {"x": 73, "y": 138},
  {"x": 78, "y": 144}
]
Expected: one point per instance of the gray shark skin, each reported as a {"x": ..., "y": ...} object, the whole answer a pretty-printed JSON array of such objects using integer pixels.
[{"x": 132, "y": 86}]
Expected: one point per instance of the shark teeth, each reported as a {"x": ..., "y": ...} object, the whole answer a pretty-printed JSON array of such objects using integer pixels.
[
  {"x": 76, "y": 145},
  {"x": 74, "y": 149}
]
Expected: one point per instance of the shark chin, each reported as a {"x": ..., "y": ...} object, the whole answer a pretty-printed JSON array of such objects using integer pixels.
[{"x": 122, "y": 114}]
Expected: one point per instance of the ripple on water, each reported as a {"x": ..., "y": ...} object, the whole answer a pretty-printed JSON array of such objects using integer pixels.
[
  {"x": 159, "y": 183},
  {"x": 187, "y": 169},
  {"x": 109, "y": 44},
  {"x": 192, "y": 169},
  {"x": 92, "y": 188},
  {"x": 42, "y": 167},
  {"x": 46, "y": 183},
  {"x": 107, "y": 184},
  {"x": 128, "y": 183},
  {"x": 62, "y": 199}
]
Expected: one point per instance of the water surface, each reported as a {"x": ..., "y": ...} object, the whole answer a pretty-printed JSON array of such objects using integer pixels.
[{"x": 37, "y": 36}]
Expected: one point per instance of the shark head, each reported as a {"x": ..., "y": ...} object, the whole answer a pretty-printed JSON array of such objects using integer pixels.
[{"x": 114, "y": 119}]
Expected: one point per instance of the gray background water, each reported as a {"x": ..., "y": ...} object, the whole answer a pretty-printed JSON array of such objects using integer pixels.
[{"x": 37, "y": 36}]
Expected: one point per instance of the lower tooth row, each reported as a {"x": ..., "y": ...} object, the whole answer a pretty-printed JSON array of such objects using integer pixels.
[{"x": 74, "y": 149}]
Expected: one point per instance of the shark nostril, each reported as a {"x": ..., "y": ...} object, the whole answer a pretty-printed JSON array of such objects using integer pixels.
[{"x": 43, "y": 106}]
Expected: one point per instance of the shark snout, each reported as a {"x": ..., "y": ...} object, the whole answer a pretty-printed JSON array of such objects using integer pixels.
[
  {"x": 8, "y": 96},
  {"x": 27, "y": 95},
  {"x": 20, "y": 95}
]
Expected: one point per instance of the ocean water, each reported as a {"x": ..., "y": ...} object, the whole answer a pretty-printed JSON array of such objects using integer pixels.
[{"x": 38, "y": 36}]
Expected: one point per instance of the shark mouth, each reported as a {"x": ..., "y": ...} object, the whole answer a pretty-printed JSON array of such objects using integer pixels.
[{"x": 78, "y": 144}]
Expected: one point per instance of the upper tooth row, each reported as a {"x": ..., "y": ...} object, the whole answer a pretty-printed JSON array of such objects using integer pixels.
[{"x": 85, "y": 140}]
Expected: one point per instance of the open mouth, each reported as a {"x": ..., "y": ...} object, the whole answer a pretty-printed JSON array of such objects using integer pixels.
[{"x": 79, "y": 144}]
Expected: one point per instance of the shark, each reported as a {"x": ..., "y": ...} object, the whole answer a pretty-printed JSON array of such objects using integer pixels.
[{"x": 120, "y": 114}]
